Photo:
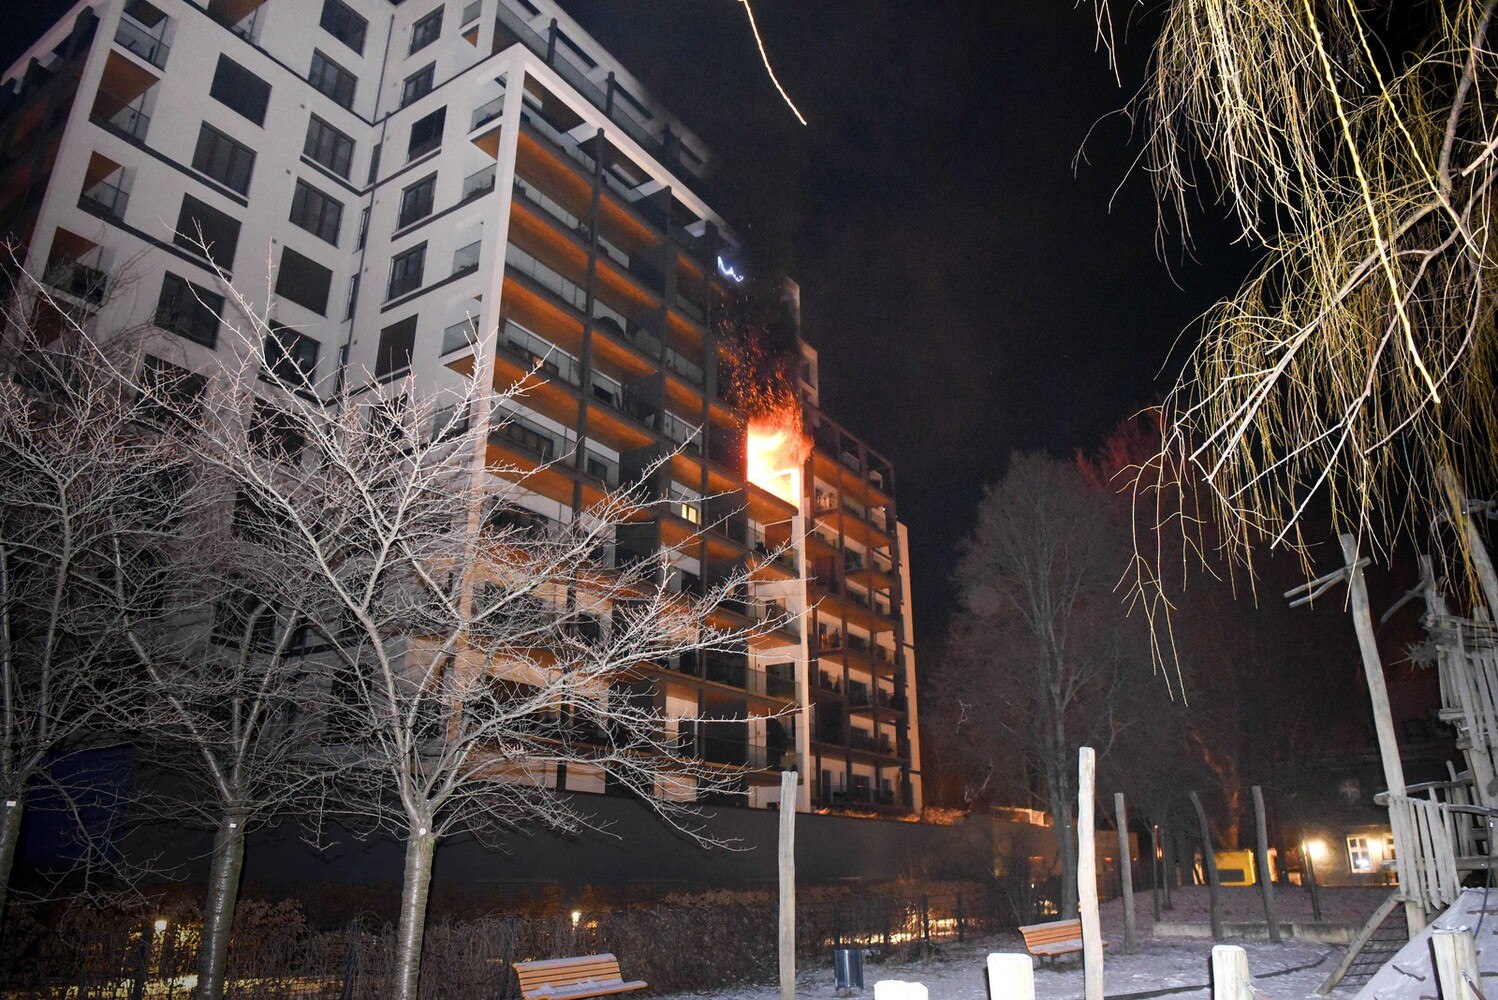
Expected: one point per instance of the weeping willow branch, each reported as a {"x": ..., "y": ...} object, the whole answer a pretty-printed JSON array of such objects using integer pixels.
[{"x": 1356, "y": 151}]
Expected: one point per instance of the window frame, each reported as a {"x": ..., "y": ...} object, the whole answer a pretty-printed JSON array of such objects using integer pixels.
[
  {"x": 287, "y": 347},
  {"x": 400, "y": 270},
  {"x": 388, "y": 348},
  {"x": 340, "y": 75},
  {"x": 429, "y": 183},
  {"x": 224, "y": 90},
  {"x": 299, "y": 261},
  {"x": 220, "y": 256},
  {"x": 421, "y": 34},
  {"x": 196, "y": 308},
  {"x": 214, "y": 143},
  {"x": 428, "y": 75},
  {"x": 343, "y": 11},
  {"x": 327, "y": 207},
  {"x": 430, "y": 143},
  {"x": 325, "y": 131}
]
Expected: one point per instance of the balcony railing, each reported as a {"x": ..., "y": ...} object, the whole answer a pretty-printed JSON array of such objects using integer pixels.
[
  {"x": 105, "y": 199},
  {"x": 487, "y": 112},
  {"x": 478, "y": 184},
  {"x": 466, "y": 259},
  {"x": 462, "y": 334},
  {"x": 131, "y": 121},
  {"x": 547, "y": 277},
  {"x": 138, "y": 40},
  {"x": 80, "y": 281},
  {"x": 543, "y": 355}
]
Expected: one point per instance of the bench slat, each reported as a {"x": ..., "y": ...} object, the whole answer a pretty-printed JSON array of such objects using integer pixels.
[{"x": 573, "y": 978}]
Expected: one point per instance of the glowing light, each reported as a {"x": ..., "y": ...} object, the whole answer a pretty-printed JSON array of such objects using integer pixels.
[
  {"x": 161, "y": 925},
  {"x": 777, "y": 448},
  {"x": 765, "y": 57},
  {"x": 727, "y": 271},
  {"x": 577, "y": 915},
  {"x": 1317, "y": 849}
]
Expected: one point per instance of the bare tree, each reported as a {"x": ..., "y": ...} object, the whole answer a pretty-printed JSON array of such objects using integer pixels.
[
  {"x": 87, "y": 494},
  {"x": 1041, "y": 643},
  {"x": 473, "y": 651}
]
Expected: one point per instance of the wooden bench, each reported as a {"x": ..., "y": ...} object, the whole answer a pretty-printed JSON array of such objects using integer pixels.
[
  {"x": 1054, "y": 939},
  {"x": 569, "y": 978}
]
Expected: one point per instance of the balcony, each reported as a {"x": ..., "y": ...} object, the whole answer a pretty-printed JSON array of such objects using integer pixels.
[
  {"x": 466, "y": 259},
  {"x": 106, "y": 200},
  {"x": 487, "y": 112},
  {"x": 477, "y": 184},
  {"x": 136, "y": 39},
  {"x": 128, "y": 121},
  {"x": 541, "y": 355},
  {"x": 547, "y": 277},
  {"x": 80, "y": 281}
]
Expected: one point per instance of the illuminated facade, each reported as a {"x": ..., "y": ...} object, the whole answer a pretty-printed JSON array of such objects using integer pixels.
[{"x": 434, "y": 179}]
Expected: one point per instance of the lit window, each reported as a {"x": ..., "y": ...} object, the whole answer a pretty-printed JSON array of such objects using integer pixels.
[{"x": 1359, "y": 858}]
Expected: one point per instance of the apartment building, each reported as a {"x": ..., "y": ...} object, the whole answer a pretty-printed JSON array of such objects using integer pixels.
[{"x": 416, "y": 185}]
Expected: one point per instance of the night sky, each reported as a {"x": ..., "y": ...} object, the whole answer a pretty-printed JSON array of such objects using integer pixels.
[{"x": 969, "y": 292}]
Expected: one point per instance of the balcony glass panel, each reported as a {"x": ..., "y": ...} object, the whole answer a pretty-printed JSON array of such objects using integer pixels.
[{"x": 130, "y": 35}]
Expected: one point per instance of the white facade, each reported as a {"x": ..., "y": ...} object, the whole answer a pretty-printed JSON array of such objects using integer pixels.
[{"x": 550, "y": 203}]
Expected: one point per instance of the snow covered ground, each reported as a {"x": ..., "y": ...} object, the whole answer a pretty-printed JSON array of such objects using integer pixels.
[{"x": 1161, "y": 963}]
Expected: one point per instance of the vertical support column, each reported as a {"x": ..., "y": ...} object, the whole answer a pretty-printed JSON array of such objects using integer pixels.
[
  {"x": 1092, "y": 935},
  {"x": 1378, "y": 694},
  {"x": 1266, "y": 881},
  {"x": 1209, "y": 863},
  {"x": 1126, "y": 874},
  {"x": 1457, "y": 972},
  {"x": 787, "y": 885}
]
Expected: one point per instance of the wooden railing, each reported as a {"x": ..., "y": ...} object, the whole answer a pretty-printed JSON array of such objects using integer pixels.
[{"x": 1439, "y": 836}]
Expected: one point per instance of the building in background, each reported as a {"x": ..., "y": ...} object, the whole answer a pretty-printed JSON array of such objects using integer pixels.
[{"x": 416, "y": 185}]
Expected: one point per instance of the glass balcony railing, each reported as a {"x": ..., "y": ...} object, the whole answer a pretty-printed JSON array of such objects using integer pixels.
[
  {"x": 548, "y": 204},
  {"x": 80, "y": 280},
  {"x": 546, "y": 276},
  {"x": 685, "y": 367},
  {"x": 129, "y": 120},
  {"x": 542, "y": 355},
  {"x": 471, "y": 13},
  {"x": 136, "y": 39},
  {"x": 466, "y": 259},
  {"x": 487, "y": 112},
  {"x": 105, "y": 199},
  {"x": 462, "y": 334},
  {"x": 478, "y": 184}
]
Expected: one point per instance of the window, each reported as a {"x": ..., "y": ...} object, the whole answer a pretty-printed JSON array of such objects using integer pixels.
[
  {"x": 240, "y": 90},
  {"x": 374, "y": 162},
  {"x": 340, "y": 21},
  {"x": 426, "y": 134},
  {"x": 172, "y": 392},
  {"x": 397, "y": 342},
  {"x": 425, "y": 31},
  {"x": 204, "y": 230},
  {"x": 1359, "y": 856},
  {"x": 291, "y": 355},
  {"x": 275, "y": 433},
  {"x": 240, "y": 617},
  {"x": 189, "y": 310},
  {"x": 363, "y": 227},
  {"x": 318, "y": 213},
  {"x": 328, "y": 146},
  {"x": 416, "y": 201},
  {"x": 406, "y": 271},
  {"x": 418, "y": 84},
  {"x": 226, "y": 161},
  {"x": 302, "y": 280},
  {"x": 332, "y": 79},
  {"x": 353, "y": 297}
]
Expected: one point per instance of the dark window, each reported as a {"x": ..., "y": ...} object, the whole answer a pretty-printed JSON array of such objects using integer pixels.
[
  {"x": 426, "y": 134},
  {"x": 374, "y": 162},
  {"x": 340, "y": 21},
  {"x": 226, "y": 161},
  {"x": 328, "y": 146},
  {"x": 291, "y": 354},
  {"x": 189, "y": 310},
  {"x": 397, "y": 342},
  {"x": 172, "y": 392},
  {"x": 332, "y": 79},
  {"x": 353, "y": 297},
  {"x": 406, "y": 271},
  {"x": 426, "y": 31},
  {"x": 418, "y": 84},
  {"x": 416, "y": 201},
  {"x": 237, "y": 88},
  {"x": 204, "y": 230},
  {"x": 318, "y": 213},
  {"x": 276, "y": 433},
  {"x": 244, "y": 616},
  {"x": 363, "y": 228},
  {"x": 304, "y": 281}
]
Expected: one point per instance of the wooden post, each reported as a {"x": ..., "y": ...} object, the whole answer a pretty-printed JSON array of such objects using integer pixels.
[
  {"x": 1209, "y": 863},
  {"x": 1011, "y": 977},
  {"x": 1155, "y": 870},
  {"x": 1310, "y": 868},
  {"x": 1266, "y": 882},
  {"x": 1378, "y": 694},
  {"x": 1455, "y": 955},
  {"x": 788, "y": 885},
  {"x": 1126, "y": 873},
  {"x": 1092, "y": 931},
  {"x": 1481, "y": 560},
  {"x": 1230, "y": 978},
  {"x": 1168, "y": 862}
]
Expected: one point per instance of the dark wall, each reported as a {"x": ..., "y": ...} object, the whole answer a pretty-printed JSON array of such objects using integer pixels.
[{"x": 638, "y": 849}]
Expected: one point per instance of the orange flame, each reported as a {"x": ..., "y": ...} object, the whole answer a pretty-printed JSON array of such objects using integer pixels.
[{"x": 777, "y": 446}]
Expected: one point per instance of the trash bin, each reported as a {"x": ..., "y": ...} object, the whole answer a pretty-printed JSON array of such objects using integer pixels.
[{"x": 847, "y": 968}]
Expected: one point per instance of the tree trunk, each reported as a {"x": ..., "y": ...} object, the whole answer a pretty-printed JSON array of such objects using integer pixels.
[
  {"x": 218, "y": 911},
  {"x": 1155, "y": 873},
  {"x": 1266, "y": 883},
  {"x": 1125, "y": 874},
  {"x": 10, "y": 837},
  {"x": 1066, "y": 844},
  {"x": 1209, "y": 866},
  {"x": 1168, "y": 865},
  {"x": 420, "y": 846}
]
